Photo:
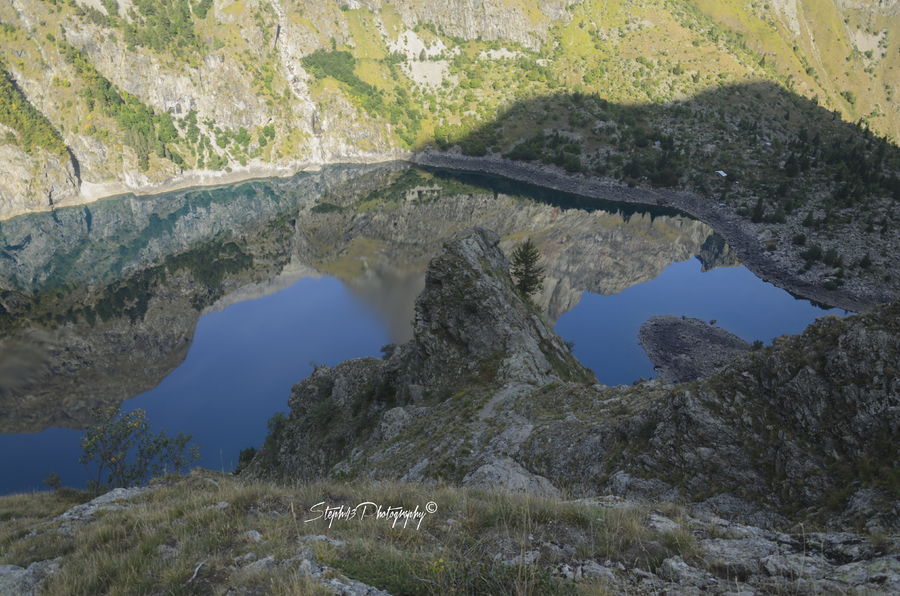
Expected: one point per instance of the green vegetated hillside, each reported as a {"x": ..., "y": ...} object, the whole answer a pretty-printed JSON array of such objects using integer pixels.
[
  {"x": 794, "y": 101},
  {"x": 425, "y": 81}
]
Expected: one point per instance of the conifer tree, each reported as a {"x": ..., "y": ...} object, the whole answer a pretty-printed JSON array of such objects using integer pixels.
[{"x": 529, "y": 277}]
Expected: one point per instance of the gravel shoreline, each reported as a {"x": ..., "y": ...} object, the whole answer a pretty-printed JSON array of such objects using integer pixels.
[{"x": 737, "y": 231}]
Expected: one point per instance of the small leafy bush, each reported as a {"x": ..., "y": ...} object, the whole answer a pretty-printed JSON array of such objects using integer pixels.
[
  {"x": 321, "y": 413},
  {"x": 326, "y": 208},
  {"x": 128, "y": 454},
  {"x": 274, "y": 426},
  {"x": 812, "y": 254}
]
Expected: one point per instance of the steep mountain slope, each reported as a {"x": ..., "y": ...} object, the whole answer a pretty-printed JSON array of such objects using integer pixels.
[{"x": 225, "y": 71}]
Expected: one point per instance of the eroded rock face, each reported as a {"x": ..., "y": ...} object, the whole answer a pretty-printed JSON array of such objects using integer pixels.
[
  {"x": 506, "y": 475},
  {"x": 34, "y": 182},
  {"x": 18, "y": 581},
  {"x": 488, "y": 20}
]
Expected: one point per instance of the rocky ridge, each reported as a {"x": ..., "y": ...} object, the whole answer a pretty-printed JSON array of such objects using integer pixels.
[
  {"x": 464, "y": 328},
  {"x": 797, "y": 432}
]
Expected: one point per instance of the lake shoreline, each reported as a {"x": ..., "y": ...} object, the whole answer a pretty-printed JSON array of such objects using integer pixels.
[
  {"x": 742, "y": 235},
  {"x": 91, "y": 192}
]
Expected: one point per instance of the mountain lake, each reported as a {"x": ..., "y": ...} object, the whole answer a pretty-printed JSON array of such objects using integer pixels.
[{"x": 203, "y": 307}]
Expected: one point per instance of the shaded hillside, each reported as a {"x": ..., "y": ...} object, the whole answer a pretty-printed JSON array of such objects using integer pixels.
[{"x": 810, "y": 198}]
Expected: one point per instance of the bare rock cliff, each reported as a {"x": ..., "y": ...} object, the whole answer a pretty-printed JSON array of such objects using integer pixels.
[
  {"x": 34, "y": 183},
  {"x": 509, "y": 20}
]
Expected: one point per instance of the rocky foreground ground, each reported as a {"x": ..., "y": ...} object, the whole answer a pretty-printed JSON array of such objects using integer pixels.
[{"x": 212, "y": 533}]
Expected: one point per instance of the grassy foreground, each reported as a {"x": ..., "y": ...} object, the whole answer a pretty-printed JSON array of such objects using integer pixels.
[{"x": 183, "y": 536}]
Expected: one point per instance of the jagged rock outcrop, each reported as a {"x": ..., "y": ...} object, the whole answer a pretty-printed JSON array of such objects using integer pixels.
[
  {"x": 32, "y": 183},
  {"x": 471, "y": 327},
  {"x": 684, "y": 349},
  {"x": 469, "y": 314},
  {"x": 871, "y": 7},
  {"x": 800, "y": 431}
]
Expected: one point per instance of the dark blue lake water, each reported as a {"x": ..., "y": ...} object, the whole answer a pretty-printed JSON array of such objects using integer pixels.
[{"x": 243, "y": 360}]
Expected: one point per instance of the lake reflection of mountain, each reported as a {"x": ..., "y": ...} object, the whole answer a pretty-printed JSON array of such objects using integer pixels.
[{"x": 100, "y": 303}]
